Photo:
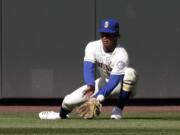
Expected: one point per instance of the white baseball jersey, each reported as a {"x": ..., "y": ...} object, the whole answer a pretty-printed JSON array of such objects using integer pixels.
[{"x": 108, "y": 63}]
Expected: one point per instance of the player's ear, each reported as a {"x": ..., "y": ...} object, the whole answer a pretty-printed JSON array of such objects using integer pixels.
[{"x": 119, "y": 36}]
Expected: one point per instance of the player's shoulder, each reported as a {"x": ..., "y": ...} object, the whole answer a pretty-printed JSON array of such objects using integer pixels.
[
  {"x": 94, "y": 43},
  {"x": 120, "y": 54},
  {"x": 120, "y": 49}
]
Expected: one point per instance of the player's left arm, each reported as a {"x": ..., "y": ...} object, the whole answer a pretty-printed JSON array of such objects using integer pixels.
[
  {"x": 116, "y": 76},
  {"x": 110, "y": 85}
]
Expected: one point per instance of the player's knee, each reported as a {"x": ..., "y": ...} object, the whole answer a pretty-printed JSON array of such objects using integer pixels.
[
  {"x": 129, "y": 80},
  {"x": 67, "y": 103}
]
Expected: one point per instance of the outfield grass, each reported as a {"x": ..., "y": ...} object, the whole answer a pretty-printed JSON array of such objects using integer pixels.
[{"x": 134, "y": 123}]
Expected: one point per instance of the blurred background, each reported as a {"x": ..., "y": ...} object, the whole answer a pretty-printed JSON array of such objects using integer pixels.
[{"x": 42, "y": 45}]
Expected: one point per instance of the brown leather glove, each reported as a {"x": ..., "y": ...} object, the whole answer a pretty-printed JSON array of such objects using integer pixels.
[{"x": 90, "y": 109}]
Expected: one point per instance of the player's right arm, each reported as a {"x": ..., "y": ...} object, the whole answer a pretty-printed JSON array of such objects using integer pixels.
[{"x": 89, "y": 69}]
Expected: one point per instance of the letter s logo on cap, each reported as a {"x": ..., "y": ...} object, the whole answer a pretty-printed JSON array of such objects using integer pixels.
[{"x": 106, "y": 24}]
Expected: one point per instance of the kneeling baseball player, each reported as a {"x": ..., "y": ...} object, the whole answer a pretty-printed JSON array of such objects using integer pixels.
[{"x": 116, "y": 78}]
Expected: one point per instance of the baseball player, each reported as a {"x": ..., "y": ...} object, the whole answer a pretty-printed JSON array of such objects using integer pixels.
[{"x": 116, "y": 78}]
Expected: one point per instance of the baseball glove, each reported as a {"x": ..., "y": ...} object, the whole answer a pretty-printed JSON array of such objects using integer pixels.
[{"x": 90, "y": 109}]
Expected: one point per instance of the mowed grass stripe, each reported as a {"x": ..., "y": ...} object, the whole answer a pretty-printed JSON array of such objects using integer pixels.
[
  {"x": 165, "y": 123},
  {"x": 91, "y": 131}
]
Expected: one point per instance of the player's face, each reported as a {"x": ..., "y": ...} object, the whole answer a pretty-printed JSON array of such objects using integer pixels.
[{"x": 109, "y": 41}]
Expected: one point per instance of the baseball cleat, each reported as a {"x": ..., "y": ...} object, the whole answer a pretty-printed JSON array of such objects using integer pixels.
[
  {"x": 49, "y": 115},
  {"x": 116, "y": 113}
]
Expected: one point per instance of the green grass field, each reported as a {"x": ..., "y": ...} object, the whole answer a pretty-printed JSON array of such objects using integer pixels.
[{"x": 133, "y": 123}]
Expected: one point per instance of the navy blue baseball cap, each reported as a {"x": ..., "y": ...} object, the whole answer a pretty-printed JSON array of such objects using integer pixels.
[{"x": 109, "y": 26}]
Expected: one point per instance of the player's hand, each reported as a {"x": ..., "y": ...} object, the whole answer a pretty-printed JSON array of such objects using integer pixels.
[{"x": 88, "y": 92}]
